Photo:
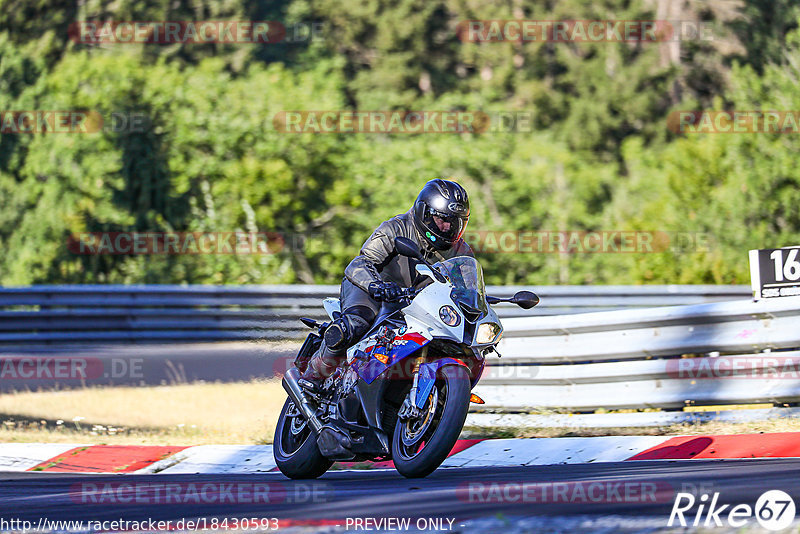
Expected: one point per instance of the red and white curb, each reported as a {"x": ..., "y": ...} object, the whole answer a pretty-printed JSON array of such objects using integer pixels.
[
  {"x": 243, "y": 459},
  {"x": 547, "y": 451},
  {"x": 25, "y": 456}
]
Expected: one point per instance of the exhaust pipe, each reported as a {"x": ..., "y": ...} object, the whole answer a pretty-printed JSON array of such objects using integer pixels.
[{"x": 295, "y": 392}]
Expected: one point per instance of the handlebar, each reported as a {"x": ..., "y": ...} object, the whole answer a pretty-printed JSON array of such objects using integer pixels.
[
  {"x": 391, "y": 292},
  {"x": 407, "y": 293}
]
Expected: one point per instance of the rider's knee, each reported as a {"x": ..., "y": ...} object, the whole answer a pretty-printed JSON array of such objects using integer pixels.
[
  {"x": 360, "y": 319},
  {"x": 336, "y": 334},
  {"x": 349, "y": 327}
]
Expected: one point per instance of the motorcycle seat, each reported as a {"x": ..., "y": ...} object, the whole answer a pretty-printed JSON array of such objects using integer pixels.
[{"x": 332, "y": 306}]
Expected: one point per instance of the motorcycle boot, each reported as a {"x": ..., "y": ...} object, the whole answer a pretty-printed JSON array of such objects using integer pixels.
[{"x": 343, "y": 332}]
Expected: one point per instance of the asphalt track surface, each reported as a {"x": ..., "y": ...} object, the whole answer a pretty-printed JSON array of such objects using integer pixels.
[
  {"x": 337, "y": 496},
  {"x": 70, "y": 367}
]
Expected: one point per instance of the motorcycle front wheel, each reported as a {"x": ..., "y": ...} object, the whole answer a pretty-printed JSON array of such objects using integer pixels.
[
  {"x": 295, "y": 446},
  {"x": 421, "y": 444}
]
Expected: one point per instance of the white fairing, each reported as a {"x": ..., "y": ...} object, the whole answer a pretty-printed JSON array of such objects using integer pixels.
[
  {"x": 423, "y": 313},
  {"x": 331, "y": 305}
]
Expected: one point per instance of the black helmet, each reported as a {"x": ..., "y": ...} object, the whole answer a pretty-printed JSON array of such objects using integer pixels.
[{"x": 441, "y": 213}]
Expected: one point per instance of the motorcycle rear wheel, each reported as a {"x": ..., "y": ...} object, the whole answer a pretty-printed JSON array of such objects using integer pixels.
[{"x": 419, "y": 446}]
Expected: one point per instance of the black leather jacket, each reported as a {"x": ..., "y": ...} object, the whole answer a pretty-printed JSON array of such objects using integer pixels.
[{"x": 380, "y": 261}]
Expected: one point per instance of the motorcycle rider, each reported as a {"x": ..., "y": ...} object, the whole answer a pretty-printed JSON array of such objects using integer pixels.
[{"x": 436, "y": 223}]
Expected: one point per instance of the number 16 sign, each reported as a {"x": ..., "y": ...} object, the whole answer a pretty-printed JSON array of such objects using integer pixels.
[{"x": 775, "y": 272}]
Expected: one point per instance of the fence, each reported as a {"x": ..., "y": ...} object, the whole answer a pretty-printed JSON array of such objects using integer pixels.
[
  {"x": 165, "y": 313},
  {"x": 587, "y": 350},
  {"x": 721, "y": 353}
]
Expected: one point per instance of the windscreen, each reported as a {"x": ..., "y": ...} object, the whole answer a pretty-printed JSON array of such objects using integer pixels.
[{"x": 469, "y": 293}]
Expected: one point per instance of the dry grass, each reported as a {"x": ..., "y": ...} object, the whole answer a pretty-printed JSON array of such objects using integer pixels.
[
  {"x": 785, "y": 424},
  {"x": 756, "y": 427},
  {"x": 235, "y": 413},
  {"x": 185, "y": 414}
]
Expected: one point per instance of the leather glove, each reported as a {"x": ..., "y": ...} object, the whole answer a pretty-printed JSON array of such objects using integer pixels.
[{"x": 385, "y": 291}]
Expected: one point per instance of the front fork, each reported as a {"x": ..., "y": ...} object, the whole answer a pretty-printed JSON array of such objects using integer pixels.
[
  {"x": 424, "y": 381},
  {"x": 409, "y": 409}
]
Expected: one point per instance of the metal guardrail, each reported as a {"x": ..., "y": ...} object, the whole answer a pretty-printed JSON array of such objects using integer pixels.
[
  {"x": 665, "y": 358},
  {"x": 570, "y": 353},
  {"x": 165, "y": 313},
  {"x": 669, "y": 331}
]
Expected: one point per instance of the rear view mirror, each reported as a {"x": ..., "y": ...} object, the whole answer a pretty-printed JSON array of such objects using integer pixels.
[
  {"x": 405, "y": 247},
  {"x": 525, "y": 299}
]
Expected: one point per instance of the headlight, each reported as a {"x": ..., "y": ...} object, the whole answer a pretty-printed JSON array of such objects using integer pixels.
[
  {"x": 488, "y": 333},
  {"x": 449, "y": 316}
]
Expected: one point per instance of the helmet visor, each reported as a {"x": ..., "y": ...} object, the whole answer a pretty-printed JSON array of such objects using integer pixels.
[{"x": 447, "y": 226}]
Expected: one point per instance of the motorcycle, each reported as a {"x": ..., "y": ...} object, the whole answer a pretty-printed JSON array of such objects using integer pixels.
[{"x": 404, "y": 389}]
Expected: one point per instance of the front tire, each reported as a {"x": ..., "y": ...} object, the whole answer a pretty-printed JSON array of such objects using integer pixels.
[
  {"x": 420, "y": 446},
  {"x": 295, "y": 446}
]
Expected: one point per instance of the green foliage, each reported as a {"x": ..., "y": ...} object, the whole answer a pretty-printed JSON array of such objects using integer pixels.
[{"x": 209, "y": 159}]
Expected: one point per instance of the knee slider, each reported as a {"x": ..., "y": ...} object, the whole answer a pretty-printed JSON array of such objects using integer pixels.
[
  {"x": 348, "y": 327},
  {"x": 336, "y": 334}
]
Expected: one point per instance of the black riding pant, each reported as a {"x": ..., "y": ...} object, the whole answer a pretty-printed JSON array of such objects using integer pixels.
[{"x": 358, "y": 313}]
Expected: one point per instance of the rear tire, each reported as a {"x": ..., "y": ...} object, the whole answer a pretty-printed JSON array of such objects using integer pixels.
[
  {"x": 295, "y": 446},
  {"x": 418, "y": 456}
]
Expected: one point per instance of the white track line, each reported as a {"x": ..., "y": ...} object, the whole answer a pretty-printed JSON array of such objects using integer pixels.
[
  {"x": 209, "y": 459},
  {"x": 548, "y": 451}
]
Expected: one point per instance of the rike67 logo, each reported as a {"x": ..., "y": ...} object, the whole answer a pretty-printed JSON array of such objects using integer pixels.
[{"x": 774, "y": 510}]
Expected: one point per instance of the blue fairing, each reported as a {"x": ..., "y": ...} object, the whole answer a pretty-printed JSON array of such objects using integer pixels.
[
  {"x": 369, "y": 368},
  {"x": 427, "y": 377}
]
